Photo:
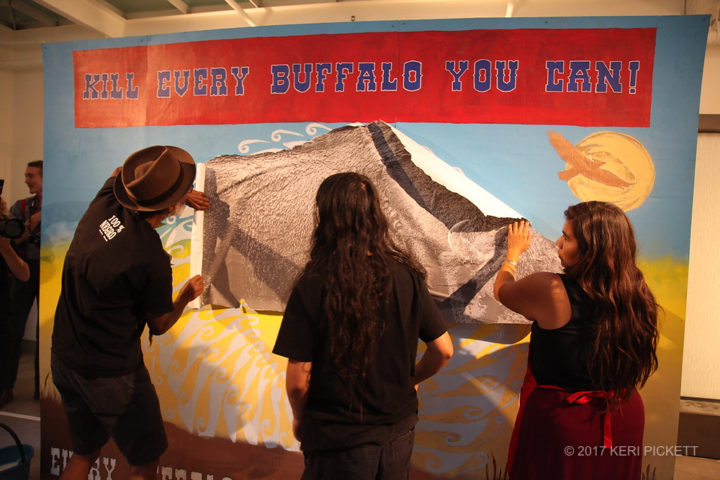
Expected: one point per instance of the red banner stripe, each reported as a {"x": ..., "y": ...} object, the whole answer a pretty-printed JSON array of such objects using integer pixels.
[{"x": 587, "y": 77}]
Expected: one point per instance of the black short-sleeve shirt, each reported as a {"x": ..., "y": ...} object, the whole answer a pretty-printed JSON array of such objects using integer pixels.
[
  {"x": 116, "y": 276},
  {"x": 342, "y": 413}
]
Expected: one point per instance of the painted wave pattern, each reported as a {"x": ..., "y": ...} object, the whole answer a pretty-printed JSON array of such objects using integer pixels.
[
  {"x": 214, "y": 371},
  {"x": 281, "y": 139},
  {"x": 216, "y": 376},
  {"x": 466, "y": 411}
]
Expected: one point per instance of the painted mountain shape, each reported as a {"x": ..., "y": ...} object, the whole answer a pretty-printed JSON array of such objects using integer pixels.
[{"x": 256, "y": 235}]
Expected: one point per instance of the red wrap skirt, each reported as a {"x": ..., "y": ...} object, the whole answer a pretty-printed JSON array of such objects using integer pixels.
[{"x": 561, "y": 435}]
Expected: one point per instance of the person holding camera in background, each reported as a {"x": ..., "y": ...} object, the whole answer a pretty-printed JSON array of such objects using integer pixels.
[
  {"x": 11, "y": 266},
  {"x": 23, "y": 293}
]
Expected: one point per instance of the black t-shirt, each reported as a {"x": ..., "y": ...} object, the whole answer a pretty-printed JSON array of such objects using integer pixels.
[
  {"x": 558, "y": 357},
  {"x": 116, "y": 276},
  {"x": 4, "y": 289},
  {"x": 339, "y": 413},
  {"x": 6, "y": 331},
  {"x": 4, "y": 296},
  {"x": 29, "y": 249}
]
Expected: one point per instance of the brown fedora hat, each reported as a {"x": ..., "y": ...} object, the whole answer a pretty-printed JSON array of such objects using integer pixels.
[{"x": 154, "y": 178}]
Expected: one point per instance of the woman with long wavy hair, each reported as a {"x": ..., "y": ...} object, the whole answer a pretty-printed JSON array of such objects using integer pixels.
[
  {"x": 593, "y": 341},
  {"x": 350, "y": 333}
]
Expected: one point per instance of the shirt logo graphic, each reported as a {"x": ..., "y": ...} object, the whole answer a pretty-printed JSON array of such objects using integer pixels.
[{"x": 110, "y": 228}]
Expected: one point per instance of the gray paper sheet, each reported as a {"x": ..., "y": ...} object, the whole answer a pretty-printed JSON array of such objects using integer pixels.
[{"x": 256, "y": 235}]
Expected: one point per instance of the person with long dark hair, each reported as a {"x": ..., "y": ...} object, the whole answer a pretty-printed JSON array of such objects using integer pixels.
[
  {"x": 593, "y": 341},
  {"x": 350, "y": 332}
]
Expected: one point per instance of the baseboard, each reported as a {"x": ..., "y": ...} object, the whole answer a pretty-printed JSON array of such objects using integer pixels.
[{"x": 699, "y": 425}]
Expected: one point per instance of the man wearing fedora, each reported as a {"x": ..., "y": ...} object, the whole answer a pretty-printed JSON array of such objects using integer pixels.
[{"x": 116, "y": 279}]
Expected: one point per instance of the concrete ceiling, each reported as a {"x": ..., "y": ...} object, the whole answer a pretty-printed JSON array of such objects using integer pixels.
[
  {"x": 26, "y": 24},
  {"x": 118, "y": 18},
  {"x": 110, "y": 17}
]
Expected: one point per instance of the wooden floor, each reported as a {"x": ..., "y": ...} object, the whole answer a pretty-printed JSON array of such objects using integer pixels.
[{"x": 697, "y": 468}]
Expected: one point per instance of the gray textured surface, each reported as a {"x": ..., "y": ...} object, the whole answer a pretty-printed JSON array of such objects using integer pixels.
[{"x": 256, "y": 235}]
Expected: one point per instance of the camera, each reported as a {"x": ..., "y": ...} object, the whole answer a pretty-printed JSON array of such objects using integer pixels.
[{"x": 11, "y": 227}]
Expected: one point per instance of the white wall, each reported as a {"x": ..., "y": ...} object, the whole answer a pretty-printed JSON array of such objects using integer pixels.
[
  {"x": 21, "y": 122},
  {"x": 6, "y": 88},
  {"x": 27, "y": 127},
  {"x": 701, "y": 355},
  {"x": 21, "y": 128},
  {"x": 710, "y": 93}
]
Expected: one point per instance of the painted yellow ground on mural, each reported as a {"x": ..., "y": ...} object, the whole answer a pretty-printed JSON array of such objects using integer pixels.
[
  {"x": 216, "y": 376},
  {"x": 667, "y": 279},
  {"x": 51, "y": 264}
]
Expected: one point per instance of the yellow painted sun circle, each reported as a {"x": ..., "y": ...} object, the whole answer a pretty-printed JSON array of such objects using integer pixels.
[{"x": 628, "y": 171}]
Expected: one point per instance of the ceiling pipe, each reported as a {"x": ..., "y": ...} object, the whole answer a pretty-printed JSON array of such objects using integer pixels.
[{"x": 235, "y": 6}]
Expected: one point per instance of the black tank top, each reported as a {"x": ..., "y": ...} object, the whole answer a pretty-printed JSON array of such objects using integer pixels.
[{"x": 557, "y": 357}]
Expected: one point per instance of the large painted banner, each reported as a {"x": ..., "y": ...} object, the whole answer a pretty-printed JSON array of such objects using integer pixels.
[
  {"x": 465, "y": 125},
  {"x": 586, "y": 76}
]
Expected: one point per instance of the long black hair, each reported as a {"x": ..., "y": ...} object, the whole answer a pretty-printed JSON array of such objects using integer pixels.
[
  {"x": 625, "y": 339},
  {"x": 351, "y": 254}
]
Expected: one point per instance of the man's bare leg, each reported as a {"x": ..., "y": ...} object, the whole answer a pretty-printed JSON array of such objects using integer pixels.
[
  {"x": 144, "y": 472},
  {"x": 79, "y": 466}
]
